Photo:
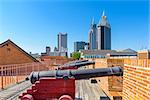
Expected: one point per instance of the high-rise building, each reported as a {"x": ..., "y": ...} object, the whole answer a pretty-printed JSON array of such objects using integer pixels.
[
  {"x": 62, "y": 42},
  {"x": 80, "y": 45},
  {"x": 93, "y": 36},
  {"x": 48, "y": 50},
  {"x": 103, "y": 34},
  {"x": 100, "y": 35}
]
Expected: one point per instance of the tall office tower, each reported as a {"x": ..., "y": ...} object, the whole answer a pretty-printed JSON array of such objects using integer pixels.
[
  {"x": 62, "y": 42},
  {"x": 103, "y": 34},
  {"x": 93, "y": 36}
]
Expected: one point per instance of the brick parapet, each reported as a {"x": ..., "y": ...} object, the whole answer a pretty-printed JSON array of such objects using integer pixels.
[{"x": 136, "y": 83}]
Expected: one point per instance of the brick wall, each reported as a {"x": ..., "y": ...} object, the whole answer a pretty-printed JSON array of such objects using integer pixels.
[
  {"x": 11, "y": 55},
  {"x": 111, "y": 85},
  {"x": 54, "y": 63},
  {"x": 102, "y": 81},
  {"x": 136, "y": 83},
  {"x": 115, "y": 82},
  {"x": 145, "y": 54}
]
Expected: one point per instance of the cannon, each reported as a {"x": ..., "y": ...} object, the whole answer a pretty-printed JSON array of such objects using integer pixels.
[
  {"x": 77, "y": 74},
  {"x": 60, "y": 84},
  {"x": 76, "y": 64},
  {"x": 76, "y": 61}
]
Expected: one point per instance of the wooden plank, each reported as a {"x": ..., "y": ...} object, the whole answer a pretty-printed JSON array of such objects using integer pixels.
[{"x": 88, "y": 91}]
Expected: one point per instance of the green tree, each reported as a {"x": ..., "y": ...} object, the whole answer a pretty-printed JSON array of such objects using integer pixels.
[{"x": 76, "y": 55}]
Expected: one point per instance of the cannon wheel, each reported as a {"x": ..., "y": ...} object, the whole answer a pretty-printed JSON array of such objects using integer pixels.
[
  {"x": 65, "y": 97},
  {"x": 27, "y": 97}
]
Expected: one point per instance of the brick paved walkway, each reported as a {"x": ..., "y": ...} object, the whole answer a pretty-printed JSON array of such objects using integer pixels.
[{"x": 14, "y": 91}]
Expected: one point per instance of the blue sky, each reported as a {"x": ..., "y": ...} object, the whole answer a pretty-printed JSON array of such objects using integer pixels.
[{"x": 34, "y": 24}]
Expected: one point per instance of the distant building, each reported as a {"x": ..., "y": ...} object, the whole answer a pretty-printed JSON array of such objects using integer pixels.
[
  {"x": 62, "y": 42},
  {"x": 95, "y": 53},
  {"x": 108, "y": 54},
  {"x": 62, "y": 47},
  {"x": 56, "y": 53},
  {"x": 100, "y": 35},
  {"x": 55, "y": 49},
  {"x": 103, "y": 34},
  {"x": 43, "y": 54},
  {"x": 80, "y": 45},
  {"x": 48, "y": 50},
  {"x": 10, "y": 53},
  {"x": 35, "y": 55},
  {"x": 86, "y": 46},
  {"x": 93, "y": 36}
]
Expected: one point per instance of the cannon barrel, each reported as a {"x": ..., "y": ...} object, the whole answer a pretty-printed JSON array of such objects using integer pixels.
[
  {"x": 77, "y": 74},
  {"x": 77, "y": 64},
  {"x": 76, "y": 61}
]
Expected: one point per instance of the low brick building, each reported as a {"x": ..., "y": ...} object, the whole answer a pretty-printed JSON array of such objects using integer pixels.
[
  {"x": 55, "y": 61},
  {"x": 10, "y": 53},
  {"x": 144, "y": 54}
]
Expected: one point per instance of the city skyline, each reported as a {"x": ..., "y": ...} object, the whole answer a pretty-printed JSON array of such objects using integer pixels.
[{"x": 36, "y": 24}]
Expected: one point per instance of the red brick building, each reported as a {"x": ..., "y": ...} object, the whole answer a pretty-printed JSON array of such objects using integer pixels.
[
  {"x": 10, "y": 53},
  {"x": 144, "y": 54},
  {"x": 54, "y": 61}
]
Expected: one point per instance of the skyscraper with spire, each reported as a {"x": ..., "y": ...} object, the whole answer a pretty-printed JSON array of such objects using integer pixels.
[
  {"x": 104, "y": 34},
  {"x": 100, "y": 35},
  {"x": 93, "y": 36}
]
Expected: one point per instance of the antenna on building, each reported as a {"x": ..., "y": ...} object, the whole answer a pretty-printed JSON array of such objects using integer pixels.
[
  {"x": 92, "y": 21},
  {"x": 103, "y": 14}
]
